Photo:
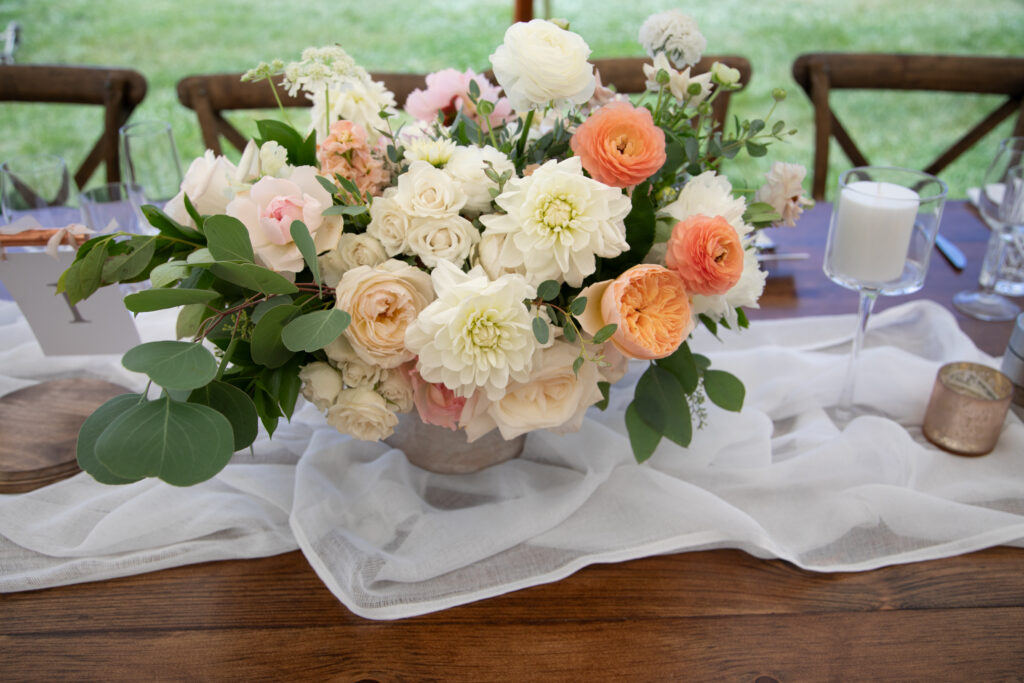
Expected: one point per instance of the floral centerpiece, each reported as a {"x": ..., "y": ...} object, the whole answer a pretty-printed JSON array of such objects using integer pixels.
[{"x": 492, "y": 259}]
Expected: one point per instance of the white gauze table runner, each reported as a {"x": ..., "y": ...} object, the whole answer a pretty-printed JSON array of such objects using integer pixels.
[{"x": 391, "y": 540}]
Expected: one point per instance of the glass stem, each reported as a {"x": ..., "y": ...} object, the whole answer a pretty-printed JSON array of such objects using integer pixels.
[{"x": 867, "y": 303}]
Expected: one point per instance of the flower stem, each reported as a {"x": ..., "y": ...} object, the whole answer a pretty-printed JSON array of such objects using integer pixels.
[{"x": 521, "y": 147}]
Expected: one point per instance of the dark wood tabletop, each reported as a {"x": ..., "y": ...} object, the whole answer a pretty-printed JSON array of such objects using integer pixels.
[{"x": 721, "y": 615}]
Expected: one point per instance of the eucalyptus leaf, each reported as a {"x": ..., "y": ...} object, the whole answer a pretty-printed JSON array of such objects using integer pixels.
[
  {"x": 181, "y": 443},
  {"x": 190, "y": 317},
  {"x": 540, "y": 330},
  {"x": 172, "y": 364},
  {"x": 126, "y": 266},
  {"x": 548, "y": 290},
  {"x": 605, "y": 333},
  {"x": 170, "y": 227},
  {"x": 84, "y": 277},
  {"x": 168, "y": 273},
  {"x": 605, "y": 388},
  {"x": 227, "y": 239},
  {"x": 264, "y": 306},
  {"x": 253, "y": 277},
  {"x": 235, "y": 405},
  {"x": 344, "y": 210},
  {"x": 307, "y": 247},
  {"x": 642, "y": 438},
  {"x": 724, "y": 389},
  {"x": 200, "y": 257},
  {"x": 92, "y": 428},
  {"x": 656, "y": 397},
  {"x": 160, "y": 298},
  {"x": 314, "y": 331},
  {"x": 267, "y": 347},
  {"x": 683, "y": 366}
]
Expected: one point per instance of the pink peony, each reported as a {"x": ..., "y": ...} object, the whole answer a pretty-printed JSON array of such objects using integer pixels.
[{"x": 448, "y": 92}]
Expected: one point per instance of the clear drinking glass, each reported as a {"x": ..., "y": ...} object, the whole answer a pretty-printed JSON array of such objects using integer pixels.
[
  {"x": 40, "y": 187},
  {"x": 880, "y": 241},
  {"x": 115, "y": 206},
  {"x": 1003, "y": 268},
  {"x": 149, "y": 158}
]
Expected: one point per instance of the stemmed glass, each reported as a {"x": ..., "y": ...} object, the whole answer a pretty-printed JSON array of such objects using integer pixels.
[
  {"x": 149, "y": 158},
  {"x": 985, "y": 303},
  {"x": 40, "y": 187},
  {"x": 880, "y": 240}
]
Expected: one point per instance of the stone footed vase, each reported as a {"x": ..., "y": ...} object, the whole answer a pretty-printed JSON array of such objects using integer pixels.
[{"x": 442, "y": 450}]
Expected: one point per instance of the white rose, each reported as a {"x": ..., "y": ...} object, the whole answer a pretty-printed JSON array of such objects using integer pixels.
[
  {"x": 209, "y": 184},
  {"x": 427, "y": 192},
  {"x": 362, "y": 413},
  {"x": 396, "y": 388},
  {"x": 468, "y": 167},
  {"x": 539, "y": 63},
  {"x": 268, "y": 209},
  {"x": 553, "y": 398},
  {"x": 383, "y": 301},
  {"x": 389, "y": 223},
  {"x": 449, "y": 238},
  {"x": 352, "y": 251},
  {"x": 321, "y": 384},
  {"x": 488, "y": 256},
  {"x": 355, "y": 372}
]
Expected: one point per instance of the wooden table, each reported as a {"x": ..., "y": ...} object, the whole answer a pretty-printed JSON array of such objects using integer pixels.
[{"x": 700, "y": 615}]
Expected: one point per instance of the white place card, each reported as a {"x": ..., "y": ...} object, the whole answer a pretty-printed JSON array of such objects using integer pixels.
[{"x": 99, "y": 325}]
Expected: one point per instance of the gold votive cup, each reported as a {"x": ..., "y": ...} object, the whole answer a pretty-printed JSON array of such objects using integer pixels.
[{"x": 967, "y": 409}]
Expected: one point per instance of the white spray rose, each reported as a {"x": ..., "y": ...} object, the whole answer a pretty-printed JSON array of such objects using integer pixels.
[
  {"x": 449, "y": 238},
  {"x": 488, "y": 256},
  {"x": 209, "y": 184},
  {"x": 539, "y": 63},
  {"x": 352, "y": 251},
  {"x": 710, "y": 194},
  {"x": 321, "y": 384},
  {"x": 427, "y": 192},
  {"x": 468, "y": 167},
  {"x": 396, "y": 388},
  {"x": 389, "y": 223},
  {"x": 362, "y": 413},
  {"x": 355, "y": 372}
]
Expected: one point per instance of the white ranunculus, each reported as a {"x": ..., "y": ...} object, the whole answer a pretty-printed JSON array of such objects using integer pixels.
[
  {"x": 321, "y": 384},
  {"x": 362, "y": 413},
  {"x": 539, "y": 63},
  {"x": 352, "y": 251},
  {"x": 396, "y": 388},
  {"x": 268, "y": 209},
  {"x": 209, "y": 184},
  {"x": 744, "y": 293},
  {"x": 449, "y": 238},
  {"x": 468, "y": 167},
  {"x": 435, "y": 152},
  {"x": 674, "y": 33},
  {"x": 710, "y": 194},
  {"x": 558, "y": 221},
  {"x": 678, "y": 81},
  {"x": 427, "y": 192},
  {"x": 785, "y": 191},
  {"x": 389, "y": 223},
  {"x": 477, "y": 334},
  {"x": 554, "y": 397}
]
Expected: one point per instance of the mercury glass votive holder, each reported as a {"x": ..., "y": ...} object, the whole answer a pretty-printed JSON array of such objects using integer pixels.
[{"x": 967, "y": 408}]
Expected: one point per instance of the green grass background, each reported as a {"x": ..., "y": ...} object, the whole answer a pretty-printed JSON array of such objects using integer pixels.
[{"x": 169, "y": 39}]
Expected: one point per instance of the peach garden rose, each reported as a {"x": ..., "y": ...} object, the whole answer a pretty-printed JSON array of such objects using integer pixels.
[{"x": 620, "y": 145}]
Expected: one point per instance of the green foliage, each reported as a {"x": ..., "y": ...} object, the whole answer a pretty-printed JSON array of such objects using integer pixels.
[
  {"x": 227, "y": 239},
  {"x": 301, "y": 151},
  {"x": 314, "y": 331},
  {"x": 304, "y": 241},
  {"x": 172, "y": 364},
  {"x": 235, "y": 405},
  {"x": 157, "y": 299},
  {"x": 91, "y": 430},
  {"x": 267, "y": 347}
]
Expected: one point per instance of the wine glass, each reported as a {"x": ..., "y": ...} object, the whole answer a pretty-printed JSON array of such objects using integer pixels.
[
  {"x": 880, "y": 240},
  {"x": 985, "y": 303},
  {"x": 114, "y": 206},
  {"x": 39, "y": 187},
  {"x": 149, "y": 158}
]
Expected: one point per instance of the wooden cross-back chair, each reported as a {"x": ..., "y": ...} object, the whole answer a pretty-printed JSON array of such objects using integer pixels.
[
  {"x": 119, "y": 91},
  {"x": 210, "y": 95},
  {"x": 821, "y": 73}
]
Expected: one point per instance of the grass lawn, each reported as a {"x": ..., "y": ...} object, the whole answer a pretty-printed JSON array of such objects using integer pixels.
[{"x": 169, "y": 39}]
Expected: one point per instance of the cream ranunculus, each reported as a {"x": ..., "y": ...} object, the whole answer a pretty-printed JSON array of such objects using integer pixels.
[
  {"x": 352, "y": 251},
  {"x": 383, "y": 301},
  {"x": 449, "y": 238},
  {"x": 428, "y": 192},
  {"x": 362, "y": 413},
  {"x": 539, "y": 63},
  {"x": 268, "y": 209},
  {"x": 321, "y": 384},
  {"x": 477, "y": 335},
  {"x": 553, "y": 398},
  {"x": 389, "y": 223},
  {"x": 468, "y": 166},
  {"x": 557, "y": 222},
  {"x": 209, "y": 184}
]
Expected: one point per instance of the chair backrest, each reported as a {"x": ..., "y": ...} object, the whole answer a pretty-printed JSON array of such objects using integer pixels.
[
  {"x": 820, "y": 73},
  {"x": 627, "y": 75},
  {"x": 118, "y": 91},
  {"x": 212, "y": 94}
]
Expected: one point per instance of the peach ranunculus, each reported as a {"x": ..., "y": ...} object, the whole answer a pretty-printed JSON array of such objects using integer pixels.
[
  {"x": 269, "y": 208},
  {"x": 436, "y": 403},
  {"x": 620, "y": 145},
  {"x": 707, "y": 254},
  {"x": 650, "y": 306},
  {"x": 346, "y": 152},
  {"x": 383, "y": 301}
]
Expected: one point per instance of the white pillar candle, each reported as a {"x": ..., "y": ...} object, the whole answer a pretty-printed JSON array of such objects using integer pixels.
[{"x": 872, "y": 232}]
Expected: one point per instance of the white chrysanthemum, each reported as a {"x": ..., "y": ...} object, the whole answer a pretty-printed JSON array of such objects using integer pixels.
[
  {"x": 674, "y": 33},
  {"x": 558, "y": 221},
  {"x": 744, "y": 293},
  {"x": 468, "y": 167},
  {"x": 434, "y": 152},
  {"x": 784, "y": 191},
  {"x": 477, "y": 334},
  {"x": 710, "y": 194},
  {"x": 678, "y": 81}
]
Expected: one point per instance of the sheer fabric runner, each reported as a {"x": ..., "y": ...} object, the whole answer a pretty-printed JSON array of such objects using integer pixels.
[{"x": 391, "y": 540}]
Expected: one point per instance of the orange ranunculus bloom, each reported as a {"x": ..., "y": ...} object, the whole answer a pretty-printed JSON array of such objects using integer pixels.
[
  {"x": 649, "y": 304},
  {"x": 707, "y": 254},
  {"x": 619, "y": 145}
]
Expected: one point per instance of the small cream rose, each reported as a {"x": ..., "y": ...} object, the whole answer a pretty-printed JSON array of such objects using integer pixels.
[
  {"x": 321, "y": 384},
  {"x": 389, "y": 223},
  {"x": 383, "y": 301},
  {"x": 468, "y": 167},
  {"x": 396, "y": 389},
  {"x": 428, "y": 192},
  {"x": 449, "y": 238},
  {"x": 362, "y": 413},
  {"x": 352, "y": 251},
  {"x": 209, "y": 184}
]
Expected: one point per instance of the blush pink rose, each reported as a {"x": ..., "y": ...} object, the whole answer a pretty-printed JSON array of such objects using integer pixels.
[{"x": 436, "y": 403}]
